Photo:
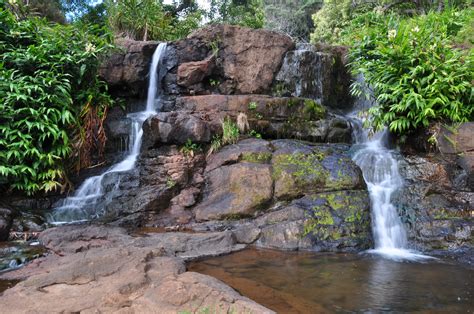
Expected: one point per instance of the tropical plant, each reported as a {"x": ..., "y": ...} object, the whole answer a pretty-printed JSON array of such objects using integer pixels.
[
  {"x": 248, "y": 13},
  {"x": 414, "y": 70},
  {"x": 148, "y": 20},
  {"x": 50, "y": 94}
]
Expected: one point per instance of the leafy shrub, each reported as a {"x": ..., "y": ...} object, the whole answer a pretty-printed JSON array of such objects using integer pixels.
[
  {"x": 247, "y": 13},
  {"x": 49, "y": 93},
  {"x": 414, "y": 71},
  {"x": 147, "y": 20}
]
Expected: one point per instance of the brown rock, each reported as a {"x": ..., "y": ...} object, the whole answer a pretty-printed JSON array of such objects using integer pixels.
[
  {"x": 247, "y": 59},
  {"x": 132, "y": 275},
  {"x": 457, "y": 140},
  {"x": 174, "y": 128},
  {"x": 126, "y": 72},
  {"x": 6, "y": 219},
  {"x": 191, "y": 73},
  {"x": 235, "y": 191}
]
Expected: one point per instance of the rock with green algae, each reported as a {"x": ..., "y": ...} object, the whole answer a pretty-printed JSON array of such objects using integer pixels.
[{"x": 300, "y": 168}]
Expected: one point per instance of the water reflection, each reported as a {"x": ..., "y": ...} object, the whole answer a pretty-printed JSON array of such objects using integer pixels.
[{"x": 312, "y": 283}]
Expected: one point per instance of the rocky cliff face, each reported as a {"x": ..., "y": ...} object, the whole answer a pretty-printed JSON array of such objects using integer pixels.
[{"x": 437, "y": 200}]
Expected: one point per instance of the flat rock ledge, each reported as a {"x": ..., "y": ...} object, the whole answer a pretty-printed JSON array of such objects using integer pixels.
[{"x": 99, "y": 269}]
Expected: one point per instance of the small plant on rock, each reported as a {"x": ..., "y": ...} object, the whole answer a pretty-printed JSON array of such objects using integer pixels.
[
  {"x": 190, "y": 148},
  {"x": 230, "y": 131}
]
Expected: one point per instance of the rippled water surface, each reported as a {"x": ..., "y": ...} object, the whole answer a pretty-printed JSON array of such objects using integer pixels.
[{"x": 318, "y": 283}]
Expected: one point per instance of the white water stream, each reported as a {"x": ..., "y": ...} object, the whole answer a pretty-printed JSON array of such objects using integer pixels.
[
  {"x": 90, "y": 198},
  {"x": 380, "y": 170}
]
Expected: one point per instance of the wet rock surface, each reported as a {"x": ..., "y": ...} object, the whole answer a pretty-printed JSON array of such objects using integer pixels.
[
  {"x": 436, "y": 204},
  {"x": 98, "y": 268},
  {"x": 318, "y": 73},
  {"x": 6, "y": 219},
  {"x": 126, "y": 71}
]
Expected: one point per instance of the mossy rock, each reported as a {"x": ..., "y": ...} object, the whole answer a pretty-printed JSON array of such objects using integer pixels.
[{"x": 314, "y": 169}]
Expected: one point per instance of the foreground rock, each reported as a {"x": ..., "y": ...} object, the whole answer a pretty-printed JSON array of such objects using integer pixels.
[{"x": 102, "y": 269}]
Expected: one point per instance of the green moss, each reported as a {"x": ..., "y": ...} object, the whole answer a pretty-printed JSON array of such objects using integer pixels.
[
  {"x": 260, "y": 158},
  {"x": 315, "y": 110}
]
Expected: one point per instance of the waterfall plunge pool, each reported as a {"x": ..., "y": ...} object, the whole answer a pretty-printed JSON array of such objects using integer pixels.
[{"x": 304, "y": 282}]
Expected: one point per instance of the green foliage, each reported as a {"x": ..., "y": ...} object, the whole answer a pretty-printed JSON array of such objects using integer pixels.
[
  {"x": 415, "y": 73},
  {"x": 252, "y": 105},
  {"x": 230, "y": 131},
  {"x": 148, "y": 20},
  {"x": 216, "y": 143},
  {"x": 49, "y": 93},
  {"x": 291, "y": 17},
  {"x": 248, "y": 13},
  {"x": 190, "y": 148},
  {"x": 255, "y": 134},
  {"x": 331, "y": 20}
]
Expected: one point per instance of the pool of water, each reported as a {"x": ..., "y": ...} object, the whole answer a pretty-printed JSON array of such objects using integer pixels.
[
  {"x": 14, "y": 254},
  {"x": 292, "y": 282}
]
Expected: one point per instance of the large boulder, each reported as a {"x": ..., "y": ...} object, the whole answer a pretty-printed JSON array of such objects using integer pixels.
[
  {"x": 292, "y": 195},
  {"x": 301, "y": 169},
  {"x": 246, "y": 60},
  {"x": 435, "y": 204},
  {"x": 457, "y": 142},
  {"x": 235, "y": 191},
  {"x": 126, "y": 71},
  {"x": 174, "y": 128}
]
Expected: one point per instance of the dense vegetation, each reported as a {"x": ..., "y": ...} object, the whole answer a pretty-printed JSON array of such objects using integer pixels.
[
  {"x": 416, "y": 58},
  {"x": 50, "y": 95}
]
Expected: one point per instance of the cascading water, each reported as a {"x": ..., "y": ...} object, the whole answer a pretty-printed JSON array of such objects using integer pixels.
[
  {"x": 90, "y": 199},
  {"x": 380, "y": 170}
]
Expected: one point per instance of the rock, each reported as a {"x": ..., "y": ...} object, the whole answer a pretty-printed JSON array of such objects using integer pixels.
[
  {"x": 191, "y": 73},
  {"x": 455, "y": 140},
  {"x": 135, "y": 275},
  {"x": 6, "y": 219},
  {"x": 310, "y": 72},
  {"x": 173, "y": 128},
  {"x": 300, "y": 169},
  {"x": 235, "y": 191},
  {"x": 437, "y": 213},
  {"x": 160, "y": 175},
  {"x": 126, "y": 72},
  {"x": 273, "y": 117},
  {"x": 246, "y": 59}
]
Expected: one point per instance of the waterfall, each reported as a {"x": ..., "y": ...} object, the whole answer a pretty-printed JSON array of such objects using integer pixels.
[
  {"x": 90, "y": 199},
  {"x": 380, "y": 171}
]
